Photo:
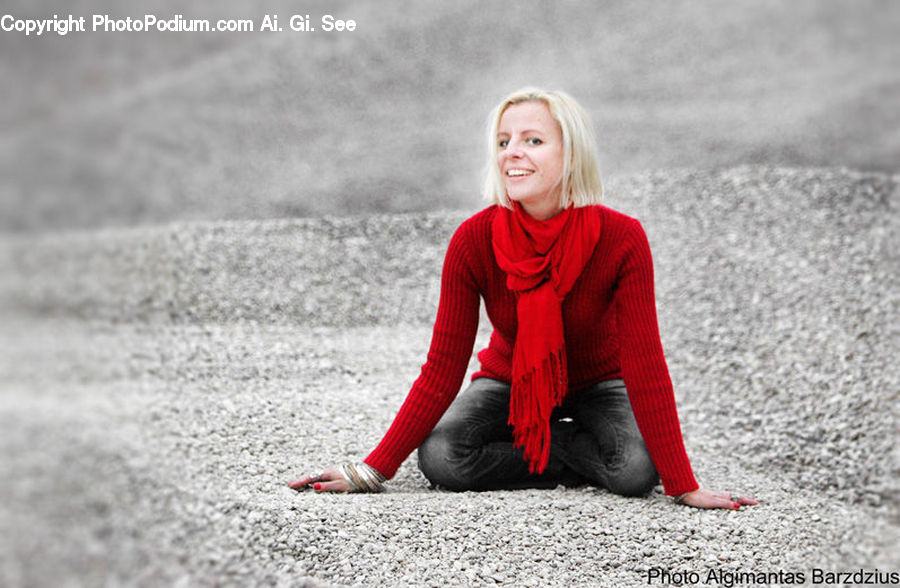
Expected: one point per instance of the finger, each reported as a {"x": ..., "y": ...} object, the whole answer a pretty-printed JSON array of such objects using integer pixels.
[
  {"x": 307, "y": 480},
  {"x": 304, "y": 481},
  {"x": 332, "y": 486},
  {"x": 723, "y": 502},
  {"x": 714, "y": 500},
  {"x": 730, "y": 501},
  {"x": 331, "y": 473}
]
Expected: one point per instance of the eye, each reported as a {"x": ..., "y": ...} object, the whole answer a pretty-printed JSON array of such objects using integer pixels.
[
  {"x": 535, "y": 141},
  {"x": 503, "y": 143}
]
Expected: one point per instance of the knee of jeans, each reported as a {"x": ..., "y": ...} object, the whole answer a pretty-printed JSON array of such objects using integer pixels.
[
  {"x": 637, "y": 476},
  {"x": 437, "y": 462}
]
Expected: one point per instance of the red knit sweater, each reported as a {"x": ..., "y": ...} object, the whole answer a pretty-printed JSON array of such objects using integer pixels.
[{"x": 610, "y": 327}]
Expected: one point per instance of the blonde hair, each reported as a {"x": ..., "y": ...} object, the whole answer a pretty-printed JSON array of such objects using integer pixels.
[{"x": 581, "y": 184}]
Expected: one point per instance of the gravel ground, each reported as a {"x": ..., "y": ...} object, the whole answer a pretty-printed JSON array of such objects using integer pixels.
[{"x": 159, "y": 385}]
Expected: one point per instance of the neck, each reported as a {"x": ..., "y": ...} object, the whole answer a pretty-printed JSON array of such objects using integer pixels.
[{"x": 543, "y": 210}]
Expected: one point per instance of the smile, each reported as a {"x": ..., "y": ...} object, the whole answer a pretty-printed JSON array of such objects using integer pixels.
[{"x": 519, "y": 172}]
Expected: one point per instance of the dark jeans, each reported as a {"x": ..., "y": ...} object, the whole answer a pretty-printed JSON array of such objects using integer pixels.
[{"x": 593, "y": 438}]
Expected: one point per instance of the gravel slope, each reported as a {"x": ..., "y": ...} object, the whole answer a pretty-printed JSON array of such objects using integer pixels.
[
  {"x": 116, "y": 130},
  {"x": 160, "y": 384}
]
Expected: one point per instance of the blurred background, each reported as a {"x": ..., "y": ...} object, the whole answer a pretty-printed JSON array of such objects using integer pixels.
[{"x": 117, "y": 129}]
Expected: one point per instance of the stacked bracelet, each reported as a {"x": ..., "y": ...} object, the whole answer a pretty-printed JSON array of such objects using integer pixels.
[{"x": 362, "y": 477}]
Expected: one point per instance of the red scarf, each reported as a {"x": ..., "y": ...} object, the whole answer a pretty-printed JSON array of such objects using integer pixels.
[{"x": 542, "y": 261}]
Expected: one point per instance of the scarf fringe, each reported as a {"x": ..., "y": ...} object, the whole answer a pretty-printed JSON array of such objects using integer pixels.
[{"x": 531, "y": 406}]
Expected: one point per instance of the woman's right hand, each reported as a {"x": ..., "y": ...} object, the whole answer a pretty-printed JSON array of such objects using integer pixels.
[{"x": 330, "y": 480}]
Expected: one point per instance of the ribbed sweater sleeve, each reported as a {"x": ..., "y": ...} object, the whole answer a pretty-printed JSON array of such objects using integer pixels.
[
  {"x": 644, "y": 367},
  {"x": 445, "y": 367}
]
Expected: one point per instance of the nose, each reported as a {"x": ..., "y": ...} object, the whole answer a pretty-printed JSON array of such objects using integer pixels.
[{"x": 514, "y": 150}]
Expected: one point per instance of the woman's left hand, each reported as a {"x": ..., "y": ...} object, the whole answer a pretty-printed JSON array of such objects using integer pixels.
[{"x": 702, "y": 498}]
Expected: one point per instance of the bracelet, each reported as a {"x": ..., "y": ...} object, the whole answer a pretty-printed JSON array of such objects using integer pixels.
[
  {"x": 362, "y": 477},
  {"x": 680, "y": 498}
]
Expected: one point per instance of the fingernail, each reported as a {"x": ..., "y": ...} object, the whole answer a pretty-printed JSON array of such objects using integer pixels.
[
  {"x": 736, "y": 506},
  {"x": 317, "y": 486}
]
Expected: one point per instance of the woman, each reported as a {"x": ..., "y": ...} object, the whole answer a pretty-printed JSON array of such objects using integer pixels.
[{"x": 573, "y": 386}]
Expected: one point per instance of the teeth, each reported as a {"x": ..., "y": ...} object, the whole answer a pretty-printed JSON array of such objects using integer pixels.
[{"x": 518, "y": 172}]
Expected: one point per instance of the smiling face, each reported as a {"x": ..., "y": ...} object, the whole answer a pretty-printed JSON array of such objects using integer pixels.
[{"x": 530, "y": 157}]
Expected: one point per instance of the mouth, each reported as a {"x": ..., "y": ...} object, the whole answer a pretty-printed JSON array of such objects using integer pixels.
[{"x": 518, "y": 172}]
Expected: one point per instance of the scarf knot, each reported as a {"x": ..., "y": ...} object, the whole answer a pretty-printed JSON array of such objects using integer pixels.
[{"x": 542, "y": 261}]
